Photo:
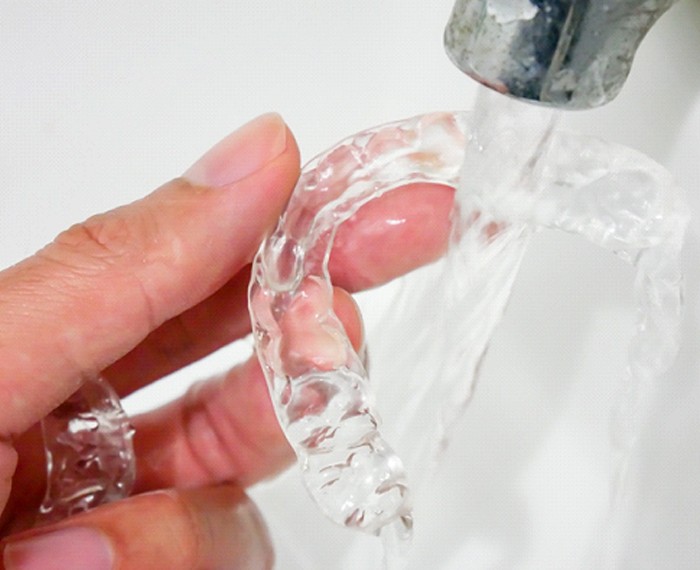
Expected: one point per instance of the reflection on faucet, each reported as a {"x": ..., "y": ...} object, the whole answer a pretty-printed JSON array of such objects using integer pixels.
[{"x": 573, "y": 54}]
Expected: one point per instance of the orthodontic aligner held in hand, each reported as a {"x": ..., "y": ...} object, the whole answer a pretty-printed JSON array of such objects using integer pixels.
[
  {"x": 612, "y": 196},
  {"x": 324, "y": 404}
]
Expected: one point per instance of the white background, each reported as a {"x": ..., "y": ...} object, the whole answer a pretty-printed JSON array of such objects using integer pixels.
[{"x": 101, "y": 102}]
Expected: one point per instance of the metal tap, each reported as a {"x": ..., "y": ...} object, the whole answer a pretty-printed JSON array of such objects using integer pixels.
[{"x": 573, "y": 54}]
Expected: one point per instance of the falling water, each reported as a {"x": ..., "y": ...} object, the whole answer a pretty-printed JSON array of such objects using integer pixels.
[
  {"x": 520, "y": 175},
  {"x": 502, "y": 163}
]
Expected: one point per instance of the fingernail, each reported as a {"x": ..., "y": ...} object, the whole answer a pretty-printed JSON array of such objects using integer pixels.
[
  {"x": 242, "y": 153},
  {"x": 74, "y": 548}
]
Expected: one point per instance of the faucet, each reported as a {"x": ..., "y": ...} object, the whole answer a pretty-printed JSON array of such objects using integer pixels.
[{"x": 569, "y": 54}]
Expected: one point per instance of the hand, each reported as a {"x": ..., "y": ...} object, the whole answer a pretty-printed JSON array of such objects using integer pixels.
[{"x": 141, "y": 291}]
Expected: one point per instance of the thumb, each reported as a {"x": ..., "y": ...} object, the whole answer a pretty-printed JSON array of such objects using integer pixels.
[
  {"x": 95, "y": 292},
  {"x": 212, "y": 527}
]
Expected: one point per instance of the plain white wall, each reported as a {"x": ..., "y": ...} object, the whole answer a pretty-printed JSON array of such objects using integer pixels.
[{"x": 101, "y": 102}]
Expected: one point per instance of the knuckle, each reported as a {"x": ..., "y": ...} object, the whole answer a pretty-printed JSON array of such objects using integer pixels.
[
  {"x": 241, "y": 443},
  {"x": 215, "y": 438},
  {"x": 100, "y": 240},
  {"x": 109, "y": 248}
]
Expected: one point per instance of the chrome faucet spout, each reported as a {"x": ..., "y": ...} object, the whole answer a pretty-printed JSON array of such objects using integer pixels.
[{"x": 572, "y": 54}]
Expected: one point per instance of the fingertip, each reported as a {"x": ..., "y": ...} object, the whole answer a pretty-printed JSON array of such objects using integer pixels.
[
  {"x": 241, "y": 153},
  {"x": 347, "y": 310},
  {"x": 311, "y": 334}
]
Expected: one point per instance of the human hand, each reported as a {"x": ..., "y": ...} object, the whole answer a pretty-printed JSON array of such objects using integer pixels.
[{"x": 142, "y": 291}]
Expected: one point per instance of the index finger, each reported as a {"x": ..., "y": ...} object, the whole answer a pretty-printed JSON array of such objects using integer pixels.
[{"x": 389, "y": 236}]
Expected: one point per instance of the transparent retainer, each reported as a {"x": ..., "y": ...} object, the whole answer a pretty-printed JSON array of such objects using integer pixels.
[
  {"x": 612, "y": 196},
  {"x": 89, "y": 452},
  {"x": 326, "y": 408}
]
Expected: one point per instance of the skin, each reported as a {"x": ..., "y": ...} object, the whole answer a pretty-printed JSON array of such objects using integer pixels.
[{"x": 144, "y": 290}]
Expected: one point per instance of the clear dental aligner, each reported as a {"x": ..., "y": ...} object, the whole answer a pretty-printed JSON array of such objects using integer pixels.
[
  {"x": 89, "y": 452},
  {"x": 610, "y": 195},
  {"x": 621, "y": 200},
  {"x": 326, "y": 410}
]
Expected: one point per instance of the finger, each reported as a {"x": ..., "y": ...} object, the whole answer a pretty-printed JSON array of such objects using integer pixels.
[
  {"x": 392, "y": 235},
  {"x": 310, "y": 339},
  {"x": 396, "y": 233},
  {"x": 207, "y": 528},
  {"x": 215, "y": 322},
  {"x": 223, "y": 429},
  {"x": 226, "y": 429},
  {"x": 97, "y": 291}
]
